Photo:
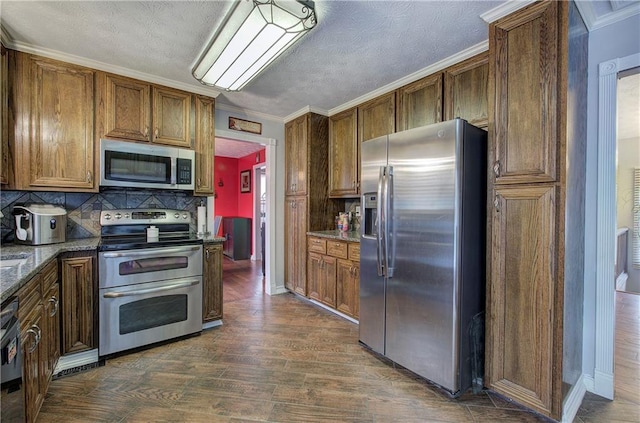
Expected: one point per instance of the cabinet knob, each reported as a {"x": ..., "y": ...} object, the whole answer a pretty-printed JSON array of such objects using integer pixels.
[{"x": 89, "y": 177}]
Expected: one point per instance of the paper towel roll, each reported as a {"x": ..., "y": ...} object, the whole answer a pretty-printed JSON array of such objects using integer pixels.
[{"x": 202, "y": 219}]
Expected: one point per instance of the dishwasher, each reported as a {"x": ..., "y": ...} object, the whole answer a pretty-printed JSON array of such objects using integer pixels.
[{"x": 12, "y": 396}]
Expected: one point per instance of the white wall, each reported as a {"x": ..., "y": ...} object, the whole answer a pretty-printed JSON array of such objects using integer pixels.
[
  {"x": 617, "y": 40},
  {"x": 628, "y": 159}
]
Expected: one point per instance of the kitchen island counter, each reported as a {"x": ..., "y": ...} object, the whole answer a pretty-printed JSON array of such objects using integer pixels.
[{"x": 31, "y": 259}]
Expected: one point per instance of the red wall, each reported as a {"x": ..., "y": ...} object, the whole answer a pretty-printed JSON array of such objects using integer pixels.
[{"x": 230, "y": 201}]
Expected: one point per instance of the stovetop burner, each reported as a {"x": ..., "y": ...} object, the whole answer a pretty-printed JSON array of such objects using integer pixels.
[{"x": 126, "y": 229}]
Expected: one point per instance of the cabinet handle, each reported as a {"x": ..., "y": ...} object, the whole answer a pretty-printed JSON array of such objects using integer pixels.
[
  {"x": 56, "y": 303},
  {"x": 496, "y": 168},
  {"x": 206, "y": 252},
  {"x": 198, "y": 182},
  {"x": 146, "y": 131},
  {"x": 353, "y": 184},
  {"x": 37, "y": 333},
  {"x": 496, "y": 204},
  {"x": 155, "y": 133},
  {"x": 89, "y": 177}
]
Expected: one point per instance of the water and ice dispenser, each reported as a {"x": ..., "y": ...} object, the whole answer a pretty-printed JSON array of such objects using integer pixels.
[{"x": 370, "y": 214}]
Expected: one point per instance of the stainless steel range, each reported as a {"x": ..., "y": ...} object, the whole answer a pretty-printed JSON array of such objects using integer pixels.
[{"x": 150, "y": 277}]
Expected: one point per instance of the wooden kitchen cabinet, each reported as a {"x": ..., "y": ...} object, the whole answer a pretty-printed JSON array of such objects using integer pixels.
[
  {"x": 377, "y": 117},
  {"x": 295, "y": 217},
  {"x": 307, "y": 206},
  {"x": 420, "y": 102},
  {"x": 38, "y": 337},
  {"x": 204, "y": 145},
  {"x": 344, "y": 154},
  {"x": 212, "y": 283},
  {"x": 133, "y": 110},
  {"x": 54, "y": 138},
  {"x": 537, "y": 103},
  {"x": 127, "y": 108},
  {"x": 466, "y": 90},
  {"x": 348, "y": 287},
  {"x": 315, "y": 276},
  {"x": 171, "y": 111},
  {"x": 4, "y": 115},
  {"x": 79, "y": 301}
]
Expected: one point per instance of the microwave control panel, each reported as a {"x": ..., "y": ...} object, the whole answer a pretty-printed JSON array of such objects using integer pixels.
[{"x": 184, "y": 171}]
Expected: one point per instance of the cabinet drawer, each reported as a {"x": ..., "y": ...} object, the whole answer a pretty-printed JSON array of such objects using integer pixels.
[
  {"x": 337, "y": 249},
  {"x": 354, "y": 251},
  {"x": 317, "y": 245}
]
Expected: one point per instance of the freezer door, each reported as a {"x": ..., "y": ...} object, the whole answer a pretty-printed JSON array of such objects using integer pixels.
[
  {"x": 421, "y": 303},
  {"x": 373, "y": 155}
]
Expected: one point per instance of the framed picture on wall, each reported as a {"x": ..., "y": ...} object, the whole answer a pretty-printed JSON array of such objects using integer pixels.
[{"x": 245, "y": 181}]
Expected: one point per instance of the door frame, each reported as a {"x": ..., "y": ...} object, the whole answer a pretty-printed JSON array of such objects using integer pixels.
[
  {"x": 606, "y": 222},
  {"x": 257, "y": 185}
]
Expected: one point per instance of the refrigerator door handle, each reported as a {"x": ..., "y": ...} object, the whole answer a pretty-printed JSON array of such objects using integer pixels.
[
  {"x": 378, "y": 222},
  {"x": 389, "y": 238}
]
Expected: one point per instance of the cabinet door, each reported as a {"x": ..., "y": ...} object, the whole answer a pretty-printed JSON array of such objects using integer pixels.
[
  {"x": 344, "y": 154},
  {"x": 420, "y": 103},
  {"x": 127, "y": 108},
  {"x": 171, "y": 117},
  {"x": 33, "y": 360},
  {"x": 521, "y": 298},
  {"x": 58, "y": 148},
  {"x": 328, "y": 282},
  {"x": 77, "y": 304},
  {"x": 377, "y": 117},
  {"x": 295, "y": 244},
  {"x": 4, "y": 115},
  {"x": 212, "y": 283},
  {"x": 347, "y": 287},
  {"x": 290, "y": 158},
  {"x": 205, "y": 141},
  {"x": 523, "y": 73},
  {"x": 51, "y": 330},
  {"x": 314, "y": 276},
  {"x": 466, "y": 90}
]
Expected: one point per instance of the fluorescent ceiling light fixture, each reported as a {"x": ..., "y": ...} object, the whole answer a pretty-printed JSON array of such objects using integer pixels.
[{"x": 253, "y": 34}]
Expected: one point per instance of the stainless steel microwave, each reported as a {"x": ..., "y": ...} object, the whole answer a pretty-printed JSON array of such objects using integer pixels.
[{"x": 128, "y": 164}]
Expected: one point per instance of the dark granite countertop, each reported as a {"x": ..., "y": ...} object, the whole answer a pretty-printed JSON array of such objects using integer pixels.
[
  {"x": 351, "y": 236},
  {"x": 32, "y": 260},
  {"x": 210, "y": 239}
]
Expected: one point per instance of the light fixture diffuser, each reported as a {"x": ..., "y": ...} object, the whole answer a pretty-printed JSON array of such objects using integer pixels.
[{"x": 253, "y": 34}]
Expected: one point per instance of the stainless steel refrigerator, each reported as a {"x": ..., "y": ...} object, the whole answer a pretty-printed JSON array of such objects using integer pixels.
[{"x": 422, "y": 250}]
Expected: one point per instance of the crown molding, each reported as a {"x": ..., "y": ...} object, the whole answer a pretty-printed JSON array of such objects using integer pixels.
[
  {"x": 4, "y": 36},
  {"x": 106, "y": 67},
  {"x": 594, "y": 22},
  {"x": 504, "y": 9},
  {"x": 304, "y": 111},
  {"x": 429, "y": 70},
  {"x": 248, "y": 113}
]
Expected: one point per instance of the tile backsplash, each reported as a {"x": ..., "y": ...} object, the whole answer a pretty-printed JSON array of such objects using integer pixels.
[{"x": 83, "y": 209}]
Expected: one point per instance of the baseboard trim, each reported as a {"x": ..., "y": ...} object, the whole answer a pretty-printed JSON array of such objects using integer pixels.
[
  {"x": 589, "y": 383},
  {"x": 213, "y": 324},
  {"x": 333, "y": 310},
  {"x": 573, "y": 400},
  {"x": 603, "y": 384},
  {"x": 70, "y": 361}
]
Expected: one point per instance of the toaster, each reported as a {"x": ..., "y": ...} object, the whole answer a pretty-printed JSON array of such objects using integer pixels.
[{"x": 39, "y": 224}]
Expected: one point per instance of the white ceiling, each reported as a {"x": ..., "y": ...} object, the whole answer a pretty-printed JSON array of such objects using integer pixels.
[
  {"x": 357, "y": 46},
  {"x": 234, "y": 148}
]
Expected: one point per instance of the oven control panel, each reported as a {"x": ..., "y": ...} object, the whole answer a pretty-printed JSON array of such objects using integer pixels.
[{"x": 143, "y": 216}]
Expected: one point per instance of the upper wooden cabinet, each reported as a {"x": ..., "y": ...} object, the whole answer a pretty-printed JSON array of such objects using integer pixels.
[
  {"x": 420, "y": 103},
  {"x": 54, "y": 138},
  {"x": 136, "y": 110},
  {"x": 204, "y": 145},
  {"x": 344, "y": 154},
  {"x": 377, "y": 117},
  {"x": 466, "y": 90},
  {"x": 127, "y": 108},
  {"x": 524, "y": 95},
  {"x": 171, "y": 112},
  {"x": 296, "y": 142}
]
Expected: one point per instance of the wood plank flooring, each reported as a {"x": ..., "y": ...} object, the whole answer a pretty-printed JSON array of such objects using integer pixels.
[{"x": 276, "y": 359}]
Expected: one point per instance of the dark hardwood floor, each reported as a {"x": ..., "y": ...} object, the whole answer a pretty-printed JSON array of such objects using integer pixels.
[{"x": 282, "y": 359}]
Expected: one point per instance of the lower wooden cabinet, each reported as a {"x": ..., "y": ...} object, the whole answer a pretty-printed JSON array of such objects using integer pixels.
[
  {"x": 79, "y": 301},
  {"x": 295, "y": 272},
  {"x": 212, "y": 283},
  {"x": 333, "y": 274},
  {"x": 39, "y": 336}
]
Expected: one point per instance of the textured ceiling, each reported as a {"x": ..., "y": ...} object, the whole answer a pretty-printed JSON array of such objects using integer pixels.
[{"x": 234, "y": 148}]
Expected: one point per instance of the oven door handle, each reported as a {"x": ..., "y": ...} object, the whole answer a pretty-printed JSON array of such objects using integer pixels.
[
  {"x": 144, "y": 253},
  {"x": 151, "y": 290}
]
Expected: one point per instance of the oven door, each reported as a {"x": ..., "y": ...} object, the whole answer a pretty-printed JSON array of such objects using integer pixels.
[
  {"x": 141, "y": 314},
  {"x": 128, "y": 267}
]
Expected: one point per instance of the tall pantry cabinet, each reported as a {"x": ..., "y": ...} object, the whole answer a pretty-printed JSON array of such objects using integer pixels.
[
  {"x": 307, "y": 206},
  {"x": 537, "y": 104}
]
